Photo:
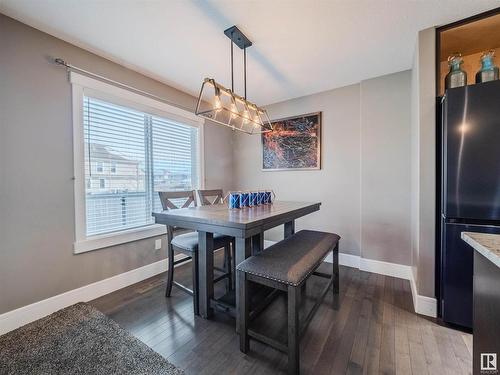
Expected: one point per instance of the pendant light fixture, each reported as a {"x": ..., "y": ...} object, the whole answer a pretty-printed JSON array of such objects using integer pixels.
[{"x": 221, "y": 105}]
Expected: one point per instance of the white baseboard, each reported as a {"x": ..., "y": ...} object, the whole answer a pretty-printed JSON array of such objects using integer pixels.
[
  {"x": 347, "y": 260},
  {"x": 385, "y": 268},
  {"x": 371, "y": 265},
  {"x": 422, "y": 304},
  {"x": 26, "y": 314}
]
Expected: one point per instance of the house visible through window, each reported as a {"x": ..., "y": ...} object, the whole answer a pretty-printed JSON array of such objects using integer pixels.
[{"x": 134, "y": 154}]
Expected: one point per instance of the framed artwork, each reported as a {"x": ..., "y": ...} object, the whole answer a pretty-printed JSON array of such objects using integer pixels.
[{"x": 293, "y": 144}]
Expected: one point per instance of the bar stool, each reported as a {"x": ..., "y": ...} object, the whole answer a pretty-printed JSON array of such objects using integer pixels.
[
  {"x": 187, "y": 243},
  {"x": 216, "y": 196}
]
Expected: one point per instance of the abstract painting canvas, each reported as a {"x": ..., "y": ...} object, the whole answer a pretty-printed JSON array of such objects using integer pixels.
[{"x": 294, "y": 143}]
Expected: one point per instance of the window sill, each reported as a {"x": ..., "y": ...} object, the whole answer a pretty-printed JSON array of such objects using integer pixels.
[{"x": 118, "y": 238}]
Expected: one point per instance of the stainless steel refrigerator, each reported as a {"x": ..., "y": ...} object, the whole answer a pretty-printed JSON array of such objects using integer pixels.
[{"x": 470, "y": 187}]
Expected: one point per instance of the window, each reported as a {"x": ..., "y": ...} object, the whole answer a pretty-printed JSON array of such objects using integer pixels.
[{"x": 127, "y": 153}]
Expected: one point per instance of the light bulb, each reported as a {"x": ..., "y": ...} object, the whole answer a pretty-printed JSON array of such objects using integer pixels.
[
  {"x": 234, "y": 109},
  {"x": 217, "y": 101},
  {"x": 217, "y": 104},
  {"x": 256, "y": 119},
  {"x": 246, "y": 116}
]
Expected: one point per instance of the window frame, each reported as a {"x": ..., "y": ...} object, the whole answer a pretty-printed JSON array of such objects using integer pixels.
[{"x": 82, "y": 85}]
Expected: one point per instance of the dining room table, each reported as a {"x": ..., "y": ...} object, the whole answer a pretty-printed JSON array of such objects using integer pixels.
[{"x": 247, "y": 225}]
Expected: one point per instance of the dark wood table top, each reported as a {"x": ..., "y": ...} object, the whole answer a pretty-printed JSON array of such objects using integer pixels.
[{"x": 243, "y": 219}]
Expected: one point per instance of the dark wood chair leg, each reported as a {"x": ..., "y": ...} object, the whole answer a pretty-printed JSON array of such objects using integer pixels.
[
  {"x": 233, "y": 253},
  {"x": 170, "y": 271},
  {"x": 243, "y": 311},
  {"x": 293, "y": 330},
  {"x": 228, "y": 268},
  {"x": 336, "y": 277},
  {"x": 224, "y": 261},
  {"x": 196, "y": 288}
]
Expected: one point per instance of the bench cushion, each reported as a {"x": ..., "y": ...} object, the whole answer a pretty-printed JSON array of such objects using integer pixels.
[
  {"x": 292, "y": 260},
  {"x": 189, "y": 241}
]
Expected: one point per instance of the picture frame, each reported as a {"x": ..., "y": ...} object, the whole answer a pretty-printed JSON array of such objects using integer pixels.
[{"x": 293, "y": 144}]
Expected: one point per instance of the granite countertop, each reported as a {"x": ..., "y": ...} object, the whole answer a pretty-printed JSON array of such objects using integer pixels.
[{"x": 486, "y": 244}]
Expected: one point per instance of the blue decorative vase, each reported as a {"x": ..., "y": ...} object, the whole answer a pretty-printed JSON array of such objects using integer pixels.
[
  {"x": 268, "y": 197},
  {"x": 261, "y": 198},
  {"x": 488, "y": 71},
  {"x": 234, "y": 200},
  {"x": 254, "y": 199},
  {"x": 244, "y": 199}
]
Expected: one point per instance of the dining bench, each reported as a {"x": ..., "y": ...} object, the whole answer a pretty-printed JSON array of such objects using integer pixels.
[{"x": 286, "y": 266}]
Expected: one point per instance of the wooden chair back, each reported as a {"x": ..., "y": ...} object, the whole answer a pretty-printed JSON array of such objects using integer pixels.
[
  {"x": 209, "y": 197},
  {"x": 166, "y": 198}
]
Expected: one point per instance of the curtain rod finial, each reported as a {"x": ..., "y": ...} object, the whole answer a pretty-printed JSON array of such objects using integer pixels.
[{"x": 60, "y": 61}]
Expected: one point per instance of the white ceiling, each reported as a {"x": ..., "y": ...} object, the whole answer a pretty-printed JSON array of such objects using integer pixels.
[{"x": 300, "y": 47}]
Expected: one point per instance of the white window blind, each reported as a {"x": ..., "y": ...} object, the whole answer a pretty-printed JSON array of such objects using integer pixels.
[{"x": 130, "y": 156}]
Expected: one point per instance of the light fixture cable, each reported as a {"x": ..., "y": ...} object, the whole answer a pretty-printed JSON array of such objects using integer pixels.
[
  {"x": 245, "y": 71},
  {"x": 232, "y": 65}
]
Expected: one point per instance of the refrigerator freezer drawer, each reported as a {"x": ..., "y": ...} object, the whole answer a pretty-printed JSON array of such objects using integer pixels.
[{"x": 457, "y": 271}]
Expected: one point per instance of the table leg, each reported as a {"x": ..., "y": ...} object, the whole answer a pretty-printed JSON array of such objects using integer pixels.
[
  {"x": 205, "y": 272},
  {"x": 243, "y": 251},
  {"x": 289, "y": 228},
  {"x": 257, "y": 243}
]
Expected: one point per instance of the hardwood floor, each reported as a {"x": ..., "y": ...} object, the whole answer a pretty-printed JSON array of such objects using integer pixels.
[{"x": 373, "y": 332}]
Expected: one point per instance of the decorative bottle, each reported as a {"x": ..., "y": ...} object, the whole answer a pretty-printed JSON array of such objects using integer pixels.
[
  {"x": 488, "y": 71},
  {"x": 456, "y": 77}
]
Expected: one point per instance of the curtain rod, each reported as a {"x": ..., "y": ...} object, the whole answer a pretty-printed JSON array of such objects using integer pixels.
[{"x": 69, "y": 67}]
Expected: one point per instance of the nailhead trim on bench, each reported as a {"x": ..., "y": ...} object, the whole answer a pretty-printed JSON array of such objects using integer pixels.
[{"x": 283, "y": 281}]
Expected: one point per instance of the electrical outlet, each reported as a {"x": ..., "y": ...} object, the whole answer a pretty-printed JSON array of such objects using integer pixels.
[{"x": 158, "y": 244}]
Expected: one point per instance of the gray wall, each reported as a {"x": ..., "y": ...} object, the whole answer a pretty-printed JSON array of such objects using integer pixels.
[
  {"x": 36, "y": 169},
  {"x": 424, "y": 162},
  {"x": 364, "y": 183},
  {"x": 385, "y": 168},
  {"x": 336, "y": 185}
]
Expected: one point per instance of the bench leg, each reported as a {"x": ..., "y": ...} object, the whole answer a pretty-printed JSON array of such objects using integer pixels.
[
  {"x": 243, "y": 311},
  {"x": 336, "y": 277},
  {"x": 293, "y": 331}
]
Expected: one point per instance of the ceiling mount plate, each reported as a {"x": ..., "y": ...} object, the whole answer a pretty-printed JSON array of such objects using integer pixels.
[{"x": 238, "y": 37}]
